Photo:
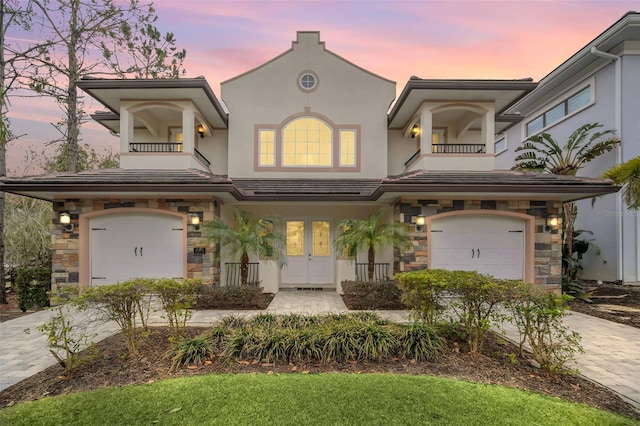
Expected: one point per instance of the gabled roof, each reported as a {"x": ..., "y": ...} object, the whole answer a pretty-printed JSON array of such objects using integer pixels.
[
  {"x": 626, "y": 28},
  {"x": 417, "y": 90},
  {"x": 110, "y": 92},
  {"x": 303, "y": 37}
]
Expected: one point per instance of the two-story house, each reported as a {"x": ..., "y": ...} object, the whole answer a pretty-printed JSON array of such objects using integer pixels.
[
  {"x": 311, "y": 137},
  {"x": 599, "y": 83}
]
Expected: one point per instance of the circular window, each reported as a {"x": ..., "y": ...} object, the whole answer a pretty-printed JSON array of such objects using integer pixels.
[{"x": 308, "y": 81}]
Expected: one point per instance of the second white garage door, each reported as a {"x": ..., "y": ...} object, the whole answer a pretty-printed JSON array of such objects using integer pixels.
[
  {"x": 487, "y": 244},
  {"x": 131, "y": 245}
]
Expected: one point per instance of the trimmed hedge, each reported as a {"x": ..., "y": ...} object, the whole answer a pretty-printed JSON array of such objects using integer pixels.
[
  {"x": 372, "y": 295},
  {"x": 249, "y": 297}
]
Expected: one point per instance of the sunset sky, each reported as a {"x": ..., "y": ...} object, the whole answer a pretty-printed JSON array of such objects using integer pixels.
[{"x": 395, "y": 39}]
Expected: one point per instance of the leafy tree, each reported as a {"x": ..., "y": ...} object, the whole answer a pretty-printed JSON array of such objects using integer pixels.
[
  {"x": 27, "y": 232},
  {"x": 247, "y": 237},
  {"x": 544, "y": 154},
  {"x": 75, "y": 30},
  {"x": 88, "y": 159},
  {"x": 11, "y": 15},
  {"x": 628, "y": 175},
  {"x": 371, "y": 234}
]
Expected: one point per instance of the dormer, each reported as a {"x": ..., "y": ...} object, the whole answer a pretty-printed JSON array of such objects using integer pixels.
[
  {"x": 162, "y": 124},
  {"x": 452, "y": 124}
]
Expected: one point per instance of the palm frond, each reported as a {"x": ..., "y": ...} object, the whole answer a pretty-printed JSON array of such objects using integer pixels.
[{"x": 628, "y": 175}]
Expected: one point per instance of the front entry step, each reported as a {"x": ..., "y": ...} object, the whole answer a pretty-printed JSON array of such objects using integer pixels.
[
  {"x": 312, "y": 287},
  {"x": 307, "y": 302}
]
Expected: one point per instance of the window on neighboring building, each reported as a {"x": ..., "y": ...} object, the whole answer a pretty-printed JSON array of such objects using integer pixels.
[
  {"x": 500, "y": 145},
  {"x": 266, "y": 140},
  {"x": 553, "y": 115},
  {"x": 307, "y": 141},
  {"x": 347, "y": 148}
]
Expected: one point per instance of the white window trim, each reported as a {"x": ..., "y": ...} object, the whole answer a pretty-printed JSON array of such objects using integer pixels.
[
  {"x": 562, "y": 98},
  {"x": 506, "y": 144}
]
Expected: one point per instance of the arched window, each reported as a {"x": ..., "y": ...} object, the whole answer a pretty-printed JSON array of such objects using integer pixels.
[{"x": 307, "y": 141}]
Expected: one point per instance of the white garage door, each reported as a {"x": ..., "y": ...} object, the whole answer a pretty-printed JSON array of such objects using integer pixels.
[
  {"x": 125, "y": 246},
  {"x": 487, "y": 244}
]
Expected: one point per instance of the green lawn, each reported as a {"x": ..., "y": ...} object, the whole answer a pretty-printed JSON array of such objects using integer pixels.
[{"x": 298, "y": 399}]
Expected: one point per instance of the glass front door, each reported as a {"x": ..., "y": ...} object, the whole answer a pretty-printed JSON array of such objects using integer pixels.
[{"x": 309, "y": 252}]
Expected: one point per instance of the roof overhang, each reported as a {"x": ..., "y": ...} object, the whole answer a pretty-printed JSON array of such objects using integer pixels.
[
  {"x": 110, "y": 93},
  {"x": 497, "y": 184},
  {"x": 503, "y": 93},
  {"x": 626, "y": 28}
]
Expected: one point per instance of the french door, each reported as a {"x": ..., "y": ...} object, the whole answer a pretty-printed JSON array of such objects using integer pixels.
[{"x": 309, "y": 252}]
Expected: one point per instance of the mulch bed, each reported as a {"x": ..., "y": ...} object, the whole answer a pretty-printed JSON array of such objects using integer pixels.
[
  {"x": 112, "y": 368},
  {"x": 618, "y": 303}
]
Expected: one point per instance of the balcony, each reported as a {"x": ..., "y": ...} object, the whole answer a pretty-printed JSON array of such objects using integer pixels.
[
  {"x": 164, "y": 147},
  {"x": 458, "y": 148},
  {"x": 455, "y": 150}
]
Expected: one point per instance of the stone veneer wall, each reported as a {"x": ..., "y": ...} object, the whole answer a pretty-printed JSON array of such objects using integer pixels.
[
  {"x": 548, "y": 244},
  {"x": 66, "y": 255}
]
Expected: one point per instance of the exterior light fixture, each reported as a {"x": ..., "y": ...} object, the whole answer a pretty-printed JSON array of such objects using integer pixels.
[
  {"x": 65, "y": 219},
  {"x": 415, "y": 131},
  {"x": 552, "y": 222},
  {"x": 200, "y": 130},
  {"x": 194, "y": 219},
  {"x": 420, "y": 221}
]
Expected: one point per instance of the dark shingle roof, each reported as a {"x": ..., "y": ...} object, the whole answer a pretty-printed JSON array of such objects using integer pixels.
[
  {"x": 307, "y": 189},
  {"x": 424, "y": 182}
]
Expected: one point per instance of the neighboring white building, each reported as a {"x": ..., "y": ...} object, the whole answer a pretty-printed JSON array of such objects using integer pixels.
[
  {"x": 600, "y": 83},
  {"x": 308, "y": 136}
]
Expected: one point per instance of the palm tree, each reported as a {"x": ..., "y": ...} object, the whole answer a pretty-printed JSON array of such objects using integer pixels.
[
  {"x": 628, "y": 175},
  {"x": 373, "y": 235},
  {"x": 542, "y": 153},
  {"x": 247, "y": 237}
]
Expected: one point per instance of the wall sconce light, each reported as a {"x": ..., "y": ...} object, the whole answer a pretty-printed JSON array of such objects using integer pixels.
[
  {"x": 415, "y": 131},
  {"x": 194, "y": 219},
  {"x": 65, "y": 219},
  {"x": 420, "y": 221},
  {"x": 552, "y": 222},
  {"x": 200, "y": 130}
]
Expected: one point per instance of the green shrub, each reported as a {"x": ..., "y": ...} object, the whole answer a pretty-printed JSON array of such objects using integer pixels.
[
  {"x": 249, "y": 297},
  {"x": 478, "y": 297},
  {"x": 69, "y": 342},
  {"x": 372, "y": 295},
  {"x": 125, "y": 303},
  {"x": 33, "y": 284},
  {"x": 418, "y": 341},
  {"x": 263, "y": 319},
  {"x": 189, "y": 351},
  {"x": 326, "y": 339},
  {"x": 177, "y": 297},
  {"x": 538, "y": 315},
  {"x": 423, "y": 292},
  {"x": 233, "y": 321}
]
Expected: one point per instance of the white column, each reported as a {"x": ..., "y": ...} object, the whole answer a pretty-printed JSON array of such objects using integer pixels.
[
  {"x": 126, "y": 129},
  {"x": 426, "y": 129},
  {"x": 488, "y": 130},
  {"x": 188, "y": 130}
]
